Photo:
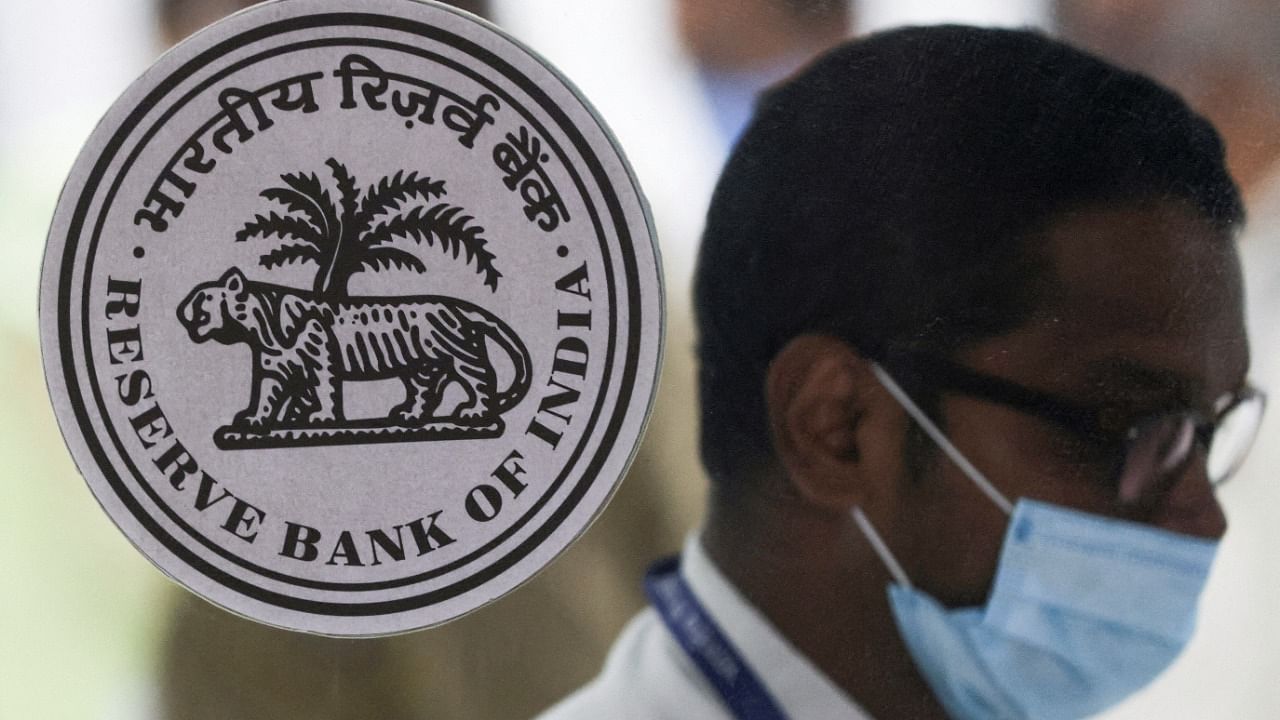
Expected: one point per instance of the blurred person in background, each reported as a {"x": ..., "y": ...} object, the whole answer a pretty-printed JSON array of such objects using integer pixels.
[
  {"x": 971, "y": 331},
  {"x": 179, "y": 18},
  {"x": 739, "y": 47},
  {"x": 1224, "y": 58},
  {"x": 1221, "y": 57}
]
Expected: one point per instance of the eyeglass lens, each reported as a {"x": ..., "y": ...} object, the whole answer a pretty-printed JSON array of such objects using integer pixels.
[
  {"x": 1234, "y": 437},
  {"x": 1161, "y": 448}
]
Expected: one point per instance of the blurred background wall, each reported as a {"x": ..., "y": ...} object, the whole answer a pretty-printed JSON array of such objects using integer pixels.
[{"x": 89, "y": 630}]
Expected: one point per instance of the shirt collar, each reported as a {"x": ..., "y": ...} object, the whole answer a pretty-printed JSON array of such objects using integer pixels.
[{"x": 799, "y": 687}]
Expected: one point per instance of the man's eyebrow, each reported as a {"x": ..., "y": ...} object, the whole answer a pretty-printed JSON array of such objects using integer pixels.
[{"x": 1126, "y": 377}]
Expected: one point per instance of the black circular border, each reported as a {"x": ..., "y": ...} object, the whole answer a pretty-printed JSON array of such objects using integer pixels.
[
  {"x": 629, "y": 370},
  {"x": 173, "y": 516}
]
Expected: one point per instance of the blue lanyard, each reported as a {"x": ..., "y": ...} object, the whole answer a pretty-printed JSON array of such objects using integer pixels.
[{"x": 706, "y": 646}]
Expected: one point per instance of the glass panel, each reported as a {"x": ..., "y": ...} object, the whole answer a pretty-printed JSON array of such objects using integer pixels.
[{"x": 90, "y": 630}]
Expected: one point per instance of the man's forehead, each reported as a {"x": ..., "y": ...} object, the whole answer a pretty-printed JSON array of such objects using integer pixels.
[
  {"x": 1142, "y": 297},
  {"x": 1149, "y": 264}
]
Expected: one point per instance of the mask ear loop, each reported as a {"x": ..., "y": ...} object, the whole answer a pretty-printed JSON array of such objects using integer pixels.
[
  {"x": 936, "y": 435},
  {"x": 877, "y": 543}
]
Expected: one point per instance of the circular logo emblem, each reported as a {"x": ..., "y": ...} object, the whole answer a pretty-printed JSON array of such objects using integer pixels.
[{"x": 351, "y": 320}]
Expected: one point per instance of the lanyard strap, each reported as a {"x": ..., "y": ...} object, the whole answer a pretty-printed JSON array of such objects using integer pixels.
[{"x": 704, "y": 643}]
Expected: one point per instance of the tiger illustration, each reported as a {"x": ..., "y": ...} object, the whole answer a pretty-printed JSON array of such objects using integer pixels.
[{"x": 304, "y": 348}]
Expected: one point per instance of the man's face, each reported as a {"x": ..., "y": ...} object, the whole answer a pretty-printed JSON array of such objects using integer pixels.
[{"x": 1145, "y": 315}]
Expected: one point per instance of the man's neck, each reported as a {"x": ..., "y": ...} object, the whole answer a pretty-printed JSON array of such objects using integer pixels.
[{"x": 819, "y": 584}]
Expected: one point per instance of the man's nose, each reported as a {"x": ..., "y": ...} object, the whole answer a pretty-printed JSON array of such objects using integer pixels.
[{"x": 1191, "y": 506}]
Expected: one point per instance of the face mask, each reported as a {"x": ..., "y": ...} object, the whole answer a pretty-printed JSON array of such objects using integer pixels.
[{"x": 1085, "y": 610}]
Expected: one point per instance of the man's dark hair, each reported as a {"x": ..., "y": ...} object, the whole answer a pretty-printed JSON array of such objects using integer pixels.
[{"x": 891, "y": 193}]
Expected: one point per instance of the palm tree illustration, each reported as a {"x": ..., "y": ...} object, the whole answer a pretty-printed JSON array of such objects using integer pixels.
[{"x": 358, "y": 232}]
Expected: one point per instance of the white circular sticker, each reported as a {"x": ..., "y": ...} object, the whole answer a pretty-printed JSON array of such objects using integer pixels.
[{"x": 351, "y": 314}]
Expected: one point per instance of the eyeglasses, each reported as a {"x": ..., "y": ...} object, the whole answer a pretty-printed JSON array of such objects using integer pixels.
[{"x": 1149, "y": 455}]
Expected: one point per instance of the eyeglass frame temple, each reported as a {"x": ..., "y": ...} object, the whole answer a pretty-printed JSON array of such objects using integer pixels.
[{"x": 1069, "y": 415}]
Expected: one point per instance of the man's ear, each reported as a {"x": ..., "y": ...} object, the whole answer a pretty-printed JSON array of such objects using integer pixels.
[{"x": 828, "y": 420}]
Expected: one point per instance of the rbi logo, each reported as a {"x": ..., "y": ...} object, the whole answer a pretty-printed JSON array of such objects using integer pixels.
[
  {"x": 351, "y": 319},
  {"x": 307, "y": 343}
]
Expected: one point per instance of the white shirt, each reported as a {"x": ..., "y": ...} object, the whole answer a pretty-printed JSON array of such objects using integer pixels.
[{"x": 648, "y": 676}]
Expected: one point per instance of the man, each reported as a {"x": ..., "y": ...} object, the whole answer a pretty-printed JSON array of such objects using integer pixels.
[{"x": 973, "y": 358}]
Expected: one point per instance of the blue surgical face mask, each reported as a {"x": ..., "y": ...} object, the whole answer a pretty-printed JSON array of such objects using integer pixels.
[{"x": 1084, "y": 611}]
